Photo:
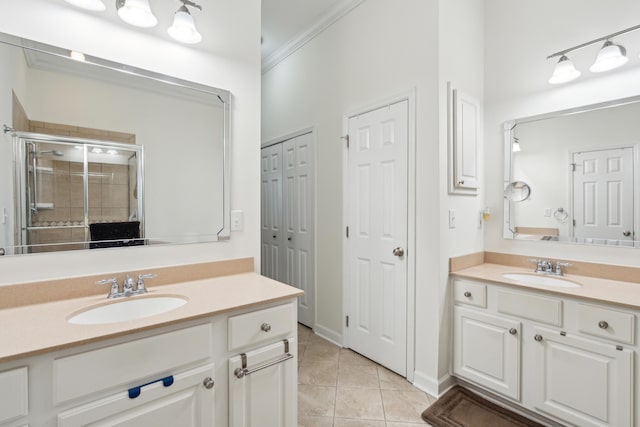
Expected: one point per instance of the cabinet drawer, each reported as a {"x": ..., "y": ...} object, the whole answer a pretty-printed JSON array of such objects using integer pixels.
[
  {"x": 14, "y": 390},
  {"x": 534, "y": 307},
  {"x": 125, "y": 364},
  {"x": 606, "y": 323},
  {"x": 470, "y": 293},
  {"x": 260, "y": 326}
]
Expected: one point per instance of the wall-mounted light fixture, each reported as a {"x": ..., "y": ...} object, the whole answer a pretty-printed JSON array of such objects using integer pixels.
[
  {"x": 138, "y": 13},
  {"x": 609, "y": 57},
  {"x": 515, "y": 146}
]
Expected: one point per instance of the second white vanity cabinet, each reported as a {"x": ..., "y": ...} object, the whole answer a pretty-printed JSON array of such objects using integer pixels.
[{"x": 557, "y": 356}]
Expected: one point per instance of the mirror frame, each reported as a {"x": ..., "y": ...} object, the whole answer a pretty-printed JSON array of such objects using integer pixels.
[
  {"x": 510, "y": 125},
  {"x": 223, "y": 95}
]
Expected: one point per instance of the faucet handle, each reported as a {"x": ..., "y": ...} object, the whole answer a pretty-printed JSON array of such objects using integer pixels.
[
  {"x": 113, "y": 281},
  {"x": 141, "y": 278},
  {"x": 559, "y": 266}
]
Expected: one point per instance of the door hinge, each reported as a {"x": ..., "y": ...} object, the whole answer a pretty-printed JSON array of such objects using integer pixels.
[
  {"x": 619, "y": 348},
  {"x": 347, "y": 232},
  {"x": 573, "y": 167},
  {"x": 347, "y": 321},
  {"x": 574, "y": 222},
  {"x": 346, "y": 138}
]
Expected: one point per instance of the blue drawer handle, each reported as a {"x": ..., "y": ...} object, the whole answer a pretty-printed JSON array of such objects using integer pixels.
[{"x": 135, "y": 391}]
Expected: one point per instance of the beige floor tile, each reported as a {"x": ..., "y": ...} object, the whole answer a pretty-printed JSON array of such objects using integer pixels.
[
  {"x": 349, "y": 422},
  {"x": 359, "y": 403},
  {"x": 303, "y": 334},
  {"x": 358, "y": 376},
  {"x": 422, "y": 424},
  {"x": 406, "y": 406},
  {"x": 318, "y": 373},
  {"x": 321, "y": 351},
  {"x": 391, "y": 381},
  {"x": 301, "y": 349},
  {"x": 316, "y": 400},
  {"x": 311, "y": 421},
  {"x": 349, "y": 357}
]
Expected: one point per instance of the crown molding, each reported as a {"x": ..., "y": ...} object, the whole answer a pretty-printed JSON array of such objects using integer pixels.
[{"x": 327, "y": 19}]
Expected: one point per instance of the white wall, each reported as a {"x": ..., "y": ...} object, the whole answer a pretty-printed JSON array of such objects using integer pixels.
[
  {"x": 519, "y": 35},
  {"x": 379, "y": 50},
  {"x": 233, "y": 65}
]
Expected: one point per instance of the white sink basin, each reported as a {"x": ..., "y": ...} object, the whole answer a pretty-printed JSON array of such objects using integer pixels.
[
  {"x": 540, "y": 280},
  {"x": 129, "y": 308}
]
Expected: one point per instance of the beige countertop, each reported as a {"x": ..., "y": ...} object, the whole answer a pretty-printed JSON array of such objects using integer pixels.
[
  {"x": 595, "y": 289},
  {"x": 39, "y": 328}
]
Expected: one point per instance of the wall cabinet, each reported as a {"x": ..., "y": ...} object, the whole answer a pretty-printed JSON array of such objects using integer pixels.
[{"x": 555, "y": 356}]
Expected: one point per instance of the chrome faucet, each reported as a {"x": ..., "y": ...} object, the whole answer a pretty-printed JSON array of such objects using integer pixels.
[
  {"x": 545, "y": 266},
  {"x": 129, "y": 286}
]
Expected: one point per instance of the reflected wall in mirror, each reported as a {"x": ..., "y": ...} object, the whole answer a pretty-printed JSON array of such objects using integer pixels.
[
  {"x": 583, "y": 169},
  {"x": 83, "y": 107}
]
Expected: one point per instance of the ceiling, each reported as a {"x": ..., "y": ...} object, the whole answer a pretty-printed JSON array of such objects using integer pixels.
[{"x": 284, "y": 20}]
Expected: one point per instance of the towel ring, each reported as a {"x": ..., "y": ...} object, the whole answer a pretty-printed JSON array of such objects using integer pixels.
[{"x": 560, "y": 214}]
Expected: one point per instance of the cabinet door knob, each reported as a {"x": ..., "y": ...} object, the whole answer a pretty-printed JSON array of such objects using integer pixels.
[
  {"x": 467, "y": 294},
  {"x": 513, "y": 331},
  {"x": 265, "y": 327},
  {"x": 538, "y": 337},
  {"x": 208, "y": 383},
  {"x": 603, "y": 324}
]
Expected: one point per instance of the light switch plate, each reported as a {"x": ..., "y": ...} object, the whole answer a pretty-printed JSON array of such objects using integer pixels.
[
  {"x": 452, "y": 218},
  {"x": 237, "y": 220}
]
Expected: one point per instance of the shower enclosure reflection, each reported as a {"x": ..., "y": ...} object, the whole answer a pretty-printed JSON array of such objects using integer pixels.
[{"x": 70, "y": 187}]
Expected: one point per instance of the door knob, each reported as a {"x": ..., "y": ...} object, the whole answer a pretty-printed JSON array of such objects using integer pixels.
[
  {"x": 626, "y": 233},
  {"x": 208, "y": 383},
  {"x": 398, "y": 252}
]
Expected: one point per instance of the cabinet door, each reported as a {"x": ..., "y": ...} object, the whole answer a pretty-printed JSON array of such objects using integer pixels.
[
  {"x": 185, "y": 403},
  {"x": 486, "y": 351},
  {"x": 582, "y": 381},
  {"x": 264, "y": 397},
  {"x": 465, "y": 147}
]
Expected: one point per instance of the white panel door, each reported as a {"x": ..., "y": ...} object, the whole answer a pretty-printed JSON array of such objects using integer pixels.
[
  {"x": 582, "y": 381},
  {"x": 268, "y": 396},
  {"x": 603, "y": 194},
  {"x": 299, "y": 222},
  {"x": 185, "y": 403},
  {"x": 486, "y": 350},
  {"x": 272, "y": 235},
  {"x": 377, "y": 220}
]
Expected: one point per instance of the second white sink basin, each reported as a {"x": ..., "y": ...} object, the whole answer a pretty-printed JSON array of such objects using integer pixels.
[
  {"x": 129, "y": 308},
  {"x": 540, "y": 280}
]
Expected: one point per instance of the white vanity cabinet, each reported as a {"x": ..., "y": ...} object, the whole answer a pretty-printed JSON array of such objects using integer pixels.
[
  {"x": 567, "y": 360},
  {"x": 263, "y": 380},
  {"x": 174, "y": 375}
]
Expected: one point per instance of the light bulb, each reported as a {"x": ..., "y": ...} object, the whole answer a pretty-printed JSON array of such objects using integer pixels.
[
  {"x": 92, "y": 5},
  {"x": 137, "y": 13},
  {"x": 564, "y": 71},
  {"x": 184, "y": 28}
]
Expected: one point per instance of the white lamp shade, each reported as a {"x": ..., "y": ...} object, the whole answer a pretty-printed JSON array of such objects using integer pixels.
[
  {"x": 184, "y": 28},
  {"x": 92, "y": 5},
  {"x": 564, "y": 71},
  {"x": 137, "y": 13},
  {"x": 611, "y": 56},
  {"x": 515, "y": 147}
]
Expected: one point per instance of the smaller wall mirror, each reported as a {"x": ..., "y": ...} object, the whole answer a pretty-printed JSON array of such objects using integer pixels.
[{"x": 584, "y": 166}]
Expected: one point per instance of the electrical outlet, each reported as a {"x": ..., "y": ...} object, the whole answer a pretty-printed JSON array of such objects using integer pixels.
[
  {"x": 452, "y": 218},
  {"x": 547, "y": 212},
  {"x": 237, "y": 220}
]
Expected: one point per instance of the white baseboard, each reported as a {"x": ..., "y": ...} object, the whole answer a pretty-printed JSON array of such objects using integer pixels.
[
  {"x": 432, "y": 386},
  {"x": 328, "y": 335}
]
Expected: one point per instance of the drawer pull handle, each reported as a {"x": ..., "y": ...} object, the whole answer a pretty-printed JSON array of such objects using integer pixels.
[
  {"x": 467, "y": 294},
  {"x": 208, "y": 383},
  {"x": 513, "y": 331},
  {"x": 135, "y": 391},
  {"x": 265, "y": 327},
  {"x": 603, "y": 324},
  {"x": 538, "y": 337}
]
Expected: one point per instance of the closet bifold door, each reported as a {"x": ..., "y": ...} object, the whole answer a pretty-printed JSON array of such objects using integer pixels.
[{"x": 272, "y": 236}]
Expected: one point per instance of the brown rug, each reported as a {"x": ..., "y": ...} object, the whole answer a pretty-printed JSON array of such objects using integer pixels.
[{"x": 462, "y": 408}]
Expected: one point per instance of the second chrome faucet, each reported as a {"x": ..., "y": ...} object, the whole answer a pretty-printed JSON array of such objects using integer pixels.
[{"x": 129, "y": 286}]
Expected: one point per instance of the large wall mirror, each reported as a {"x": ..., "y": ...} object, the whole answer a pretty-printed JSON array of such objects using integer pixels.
[
  {"x": 582, "y": 167},
  {"x": 99, "y": 154}
]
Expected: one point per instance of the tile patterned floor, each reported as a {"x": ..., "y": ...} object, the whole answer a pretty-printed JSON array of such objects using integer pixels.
[{"x": 340, "y": 388}]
